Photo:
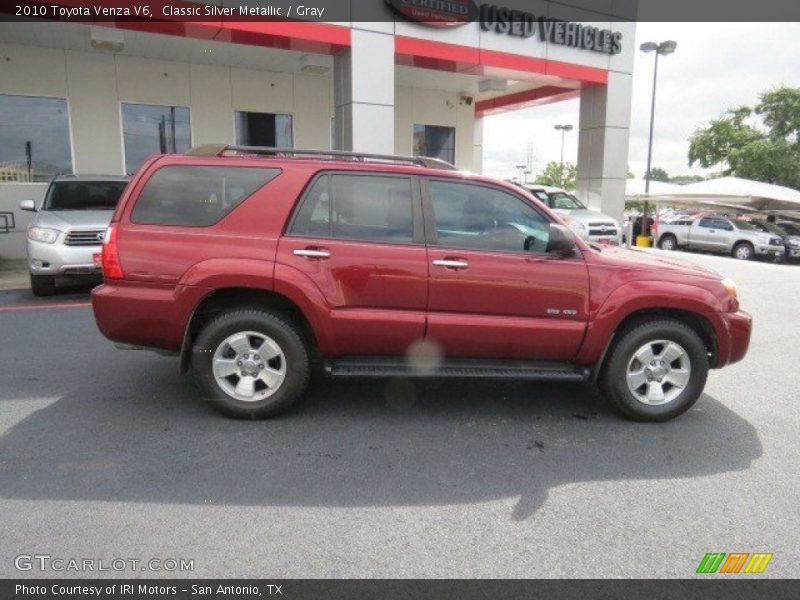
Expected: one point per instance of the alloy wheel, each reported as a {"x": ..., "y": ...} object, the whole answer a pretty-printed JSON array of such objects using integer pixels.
[
  {"x": 658, "y": 372},
  {"x": 249, "y": 366}
]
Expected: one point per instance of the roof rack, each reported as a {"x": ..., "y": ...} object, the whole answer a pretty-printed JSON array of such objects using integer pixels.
[{"x": 225, "y": 149}]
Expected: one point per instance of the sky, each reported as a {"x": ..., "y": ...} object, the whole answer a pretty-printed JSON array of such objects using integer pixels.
[{"x": 716, "y": 66}]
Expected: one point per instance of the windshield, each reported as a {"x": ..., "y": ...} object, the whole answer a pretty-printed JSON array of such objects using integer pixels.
[
  {"x": 747, "y": 226},
  {"x": 767, "y": 227},
  {"x": 789, "y": 228},
  {"x": 565, "y": 201},
  {"x": 83, "y": 195}
]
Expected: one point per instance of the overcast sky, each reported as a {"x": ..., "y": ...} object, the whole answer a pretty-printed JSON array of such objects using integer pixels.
[{"x": 716, "y": 66}]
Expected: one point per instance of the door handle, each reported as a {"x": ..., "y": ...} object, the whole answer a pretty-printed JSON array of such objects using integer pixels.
[
  {"x": 317, "y": 253},
  {"x": 451, "y": 263}
]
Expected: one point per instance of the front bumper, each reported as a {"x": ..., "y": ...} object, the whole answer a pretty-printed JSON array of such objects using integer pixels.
[
  {"x": 733, "y": 337},
  {"x": 615, "y": 239},
  {"x": 770, "y": 250},
  {"x": 60, "y": 259}
]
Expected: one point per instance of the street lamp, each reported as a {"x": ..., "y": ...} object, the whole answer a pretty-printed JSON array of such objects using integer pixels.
[
  {"x": 520, "y": 170},
  {"x": 661, "y": 49},
  {"x": 563, "y": 129}
]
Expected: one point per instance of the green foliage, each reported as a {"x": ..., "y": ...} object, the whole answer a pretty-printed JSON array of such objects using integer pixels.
[
  {"x": 555, "y": 176},
  {"x": 684, "y": 179},
  {"x": 767, "y": 151},
  {"x": 658, "y": 174}
]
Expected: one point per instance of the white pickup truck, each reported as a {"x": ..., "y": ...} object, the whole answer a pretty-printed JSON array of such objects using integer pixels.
[{"x": 721, "y": 235}]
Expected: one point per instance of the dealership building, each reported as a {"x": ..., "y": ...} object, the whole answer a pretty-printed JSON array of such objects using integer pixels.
[{"x": 98, "y": 97}]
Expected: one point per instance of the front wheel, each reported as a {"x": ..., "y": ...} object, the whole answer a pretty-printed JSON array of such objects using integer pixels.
[
  {"x": 743, "y": 251},
  {"x": 668, "y": 242},
  {"x": 656, "y": 371},
  {"x": 43, "y": 285},
  {"x": 250, "y": 364}
]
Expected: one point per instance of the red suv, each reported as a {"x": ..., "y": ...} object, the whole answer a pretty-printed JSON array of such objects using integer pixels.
[{"x": 250, "y": 263}]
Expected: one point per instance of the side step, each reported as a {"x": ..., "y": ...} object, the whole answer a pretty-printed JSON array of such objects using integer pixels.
[{"x": 384, "y": 367}]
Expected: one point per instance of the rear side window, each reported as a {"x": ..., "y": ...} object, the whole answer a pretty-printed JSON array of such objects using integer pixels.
[
  {"x": 373, "y": 208},
  {"x": 706, "y": 222},
  {"x": 197, "y": 196}
]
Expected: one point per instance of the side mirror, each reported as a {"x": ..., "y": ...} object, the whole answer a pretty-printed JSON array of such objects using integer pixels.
[
  {"x": 561, "y": 241},
  {"x": 28, "y": 205}
]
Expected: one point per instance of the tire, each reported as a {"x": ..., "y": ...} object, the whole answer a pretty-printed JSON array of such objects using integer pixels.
[
  {"x": 668, "y": 242},
  {"x": 270, "y": 393},
  {"x": 689, "y": 369},
  {"x": 743, "y": 251},
  {"x": 43, "y": 285}
]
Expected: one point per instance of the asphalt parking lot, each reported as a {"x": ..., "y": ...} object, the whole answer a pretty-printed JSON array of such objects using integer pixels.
[{"x": 108, "y": 454}]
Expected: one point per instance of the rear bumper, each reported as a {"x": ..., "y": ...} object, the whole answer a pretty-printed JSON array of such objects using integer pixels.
[
  {"x": 144, "y": 314},
  {"x": 733, "y": 337}
]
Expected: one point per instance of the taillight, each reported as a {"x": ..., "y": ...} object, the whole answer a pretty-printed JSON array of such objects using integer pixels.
[{"x": 112, "y": 269}]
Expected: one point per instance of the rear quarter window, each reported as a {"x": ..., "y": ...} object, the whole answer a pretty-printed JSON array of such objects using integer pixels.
[{"x": 190, "y": 196}]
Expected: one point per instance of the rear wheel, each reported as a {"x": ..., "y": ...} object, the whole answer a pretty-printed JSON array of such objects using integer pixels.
[
  {"x": 668, "y": 242},
  {"x": 250, "y": 363},
  {"x": 743, "y": 251},
  {"x": 43, "y": 285},
  {"x": 656, "y": 371}
]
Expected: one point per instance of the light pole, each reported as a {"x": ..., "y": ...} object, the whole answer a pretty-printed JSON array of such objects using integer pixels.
[
  {"x": 661, "y": 49},
  {"x": 520, "y": 170},
  {"x": 563, "y": 129}
]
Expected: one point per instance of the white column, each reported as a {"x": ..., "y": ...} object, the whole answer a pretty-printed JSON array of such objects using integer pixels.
[
  {"x": 604, "y": 129},
  {"x": 477, "y": 146},
  {"x": 363, "y": 91}
]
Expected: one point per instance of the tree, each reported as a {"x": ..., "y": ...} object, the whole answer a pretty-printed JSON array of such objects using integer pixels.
[
  {"x": 761, "y": 143},
  {"x": 554, "y": 175},
  {"x": 684, "y": 179},
  {"x": 658, "y": 174}
]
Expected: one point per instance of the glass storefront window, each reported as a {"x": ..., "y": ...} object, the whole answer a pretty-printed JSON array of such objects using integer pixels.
[
  {"x": 264, "y": 129},
  {"x": 150, "y": 129},
  {"x": 34, "y": 138},
  {"x": 435, "y": 141}
]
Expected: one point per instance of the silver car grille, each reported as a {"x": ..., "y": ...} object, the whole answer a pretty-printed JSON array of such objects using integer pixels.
[
  {"x": 92, "y": 237},
  {"x": 602, "y": 229}
]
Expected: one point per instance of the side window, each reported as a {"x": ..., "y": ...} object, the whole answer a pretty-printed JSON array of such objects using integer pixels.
[
  {"x": 196, "y": 196},
  {"x": 478, "y": 217},
  {"x": 314, "y": 216},
  {"x": 373, "y": 208},
  {"x": 723, "y": 225},
  {"x": 706, "y": 222}
]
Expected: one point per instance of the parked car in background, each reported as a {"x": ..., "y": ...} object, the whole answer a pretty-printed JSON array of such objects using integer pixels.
[
  {"x": 247, "y": 262},
  {"x": 68, "y": 228},
  {"x": 721, "y": 235},
  {"x": 789, "y": 227},
  {"x": 591, "y": 225},
  {"x": 791, "y": 242}
]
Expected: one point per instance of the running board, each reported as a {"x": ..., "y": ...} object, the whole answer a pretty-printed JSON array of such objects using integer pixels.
[{"x": 385, "y": 367}]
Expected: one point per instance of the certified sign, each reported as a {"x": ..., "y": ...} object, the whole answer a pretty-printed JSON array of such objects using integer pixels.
[{"x": 436, "y": 13}]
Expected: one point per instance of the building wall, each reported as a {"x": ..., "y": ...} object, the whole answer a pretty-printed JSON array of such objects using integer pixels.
[
  {"x": 12, "y": 244},
  {"x": 95, "y": 84},
  {"x": 433, "y": 107}
]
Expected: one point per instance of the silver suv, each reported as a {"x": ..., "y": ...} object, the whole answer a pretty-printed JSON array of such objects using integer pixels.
[
  {"x": 68, "y": 228},
  {"x": 591, "y": 225}
]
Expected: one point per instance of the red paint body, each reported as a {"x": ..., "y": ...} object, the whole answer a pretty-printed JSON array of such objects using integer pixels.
[{"x": 378, "y": 299}]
